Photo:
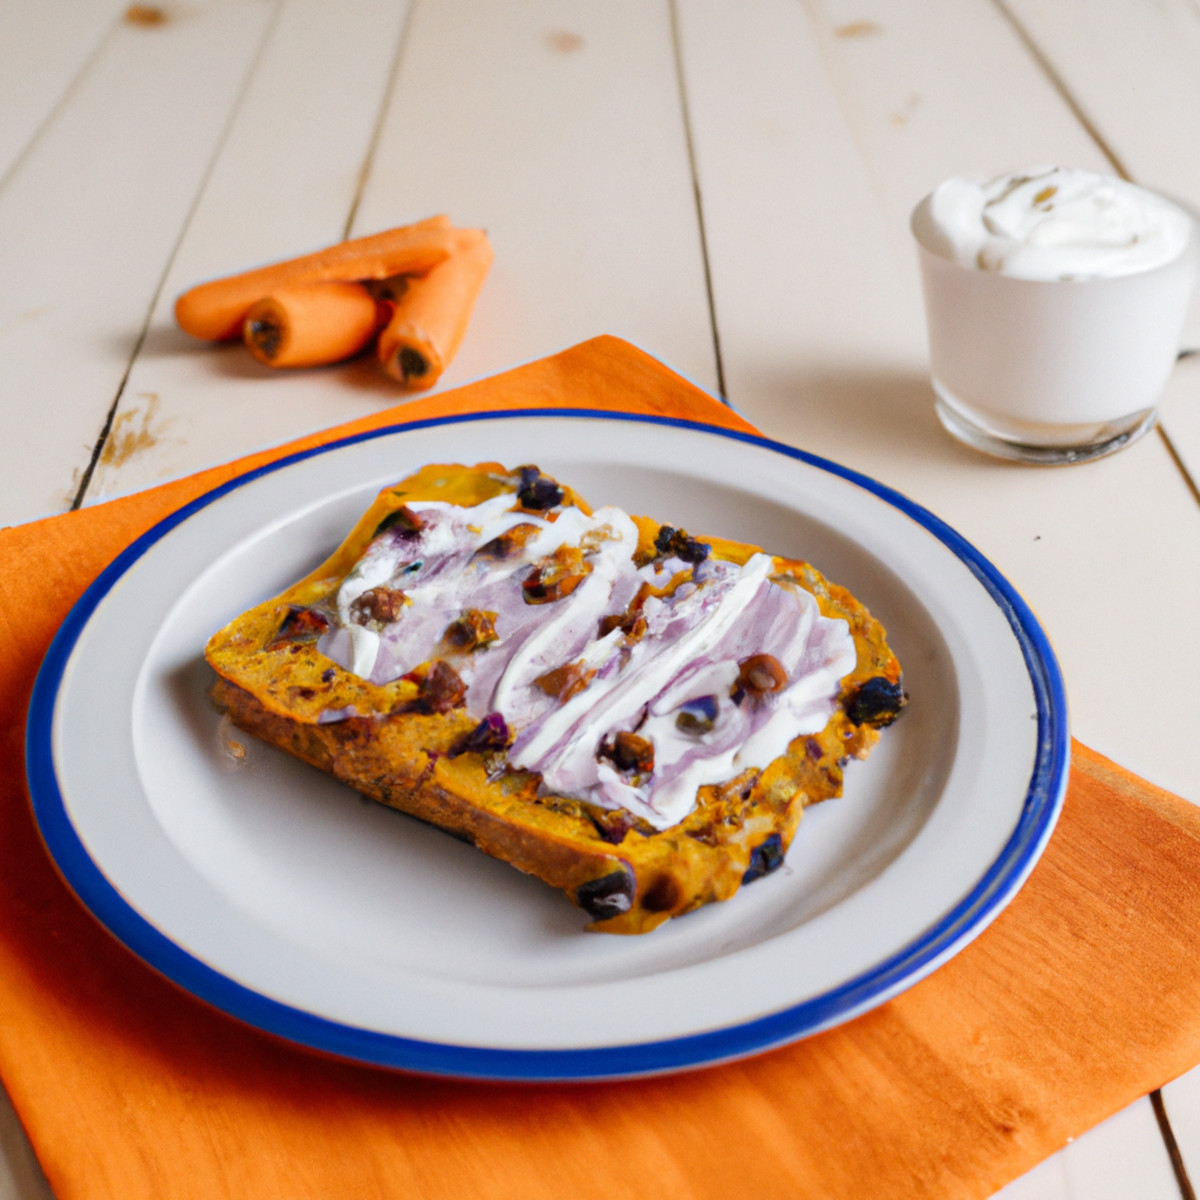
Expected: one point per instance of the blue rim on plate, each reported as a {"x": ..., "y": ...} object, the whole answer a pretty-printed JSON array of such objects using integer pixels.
[{"x": 1043, "y": 801}]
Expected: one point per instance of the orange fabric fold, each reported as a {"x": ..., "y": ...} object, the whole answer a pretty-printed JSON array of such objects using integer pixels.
[{"x": 133, "y": 1090}]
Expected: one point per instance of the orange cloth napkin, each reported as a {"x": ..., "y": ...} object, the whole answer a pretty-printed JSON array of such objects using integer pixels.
[{"x": 1082, "y": 996}]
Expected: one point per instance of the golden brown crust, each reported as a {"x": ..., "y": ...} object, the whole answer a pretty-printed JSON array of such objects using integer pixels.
[{"x": 627, "y": 876}]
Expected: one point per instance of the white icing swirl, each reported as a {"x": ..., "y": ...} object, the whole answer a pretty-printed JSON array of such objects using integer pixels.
[
  {"x": 701, "y": 621},
  {"x": 1054, "y": 223}
]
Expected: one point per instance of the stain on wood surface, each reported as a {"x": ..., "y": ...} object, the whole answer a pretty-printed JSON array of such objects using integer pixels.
[
  {"x": 854, "y": 29},
  {"x": 134, "y": 430},
  {"x": 145, "y": 15},
  {"x": 563, "y": 41},
  {"x": 902, "y": 115}
]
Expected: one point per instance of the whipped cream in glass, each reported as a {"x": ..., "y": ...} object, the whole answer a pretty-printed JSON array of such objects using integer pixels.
[
  {"x": 1055, "y": 223},
  {"x": 1055, "y": 300}
]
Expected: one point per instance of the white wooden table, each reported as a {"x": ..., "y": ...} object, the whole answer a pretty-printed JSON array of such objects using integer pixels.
[{"x": 725, "y": 184}]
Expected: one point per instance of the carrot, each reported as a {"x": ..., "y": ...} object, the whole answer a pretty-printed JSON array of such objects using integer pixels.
[
  {"x": 216, "y": 310},
  {"x": 431, "y": 315},
  {"x": 310, "y": 324}
]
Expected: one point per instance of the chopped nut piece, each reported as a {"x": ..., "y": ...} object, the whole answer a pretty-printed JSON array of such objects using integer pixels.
[
  {"x": 760, "y": 674},
  {"x": 378, "y": 606},
  {"x": 510, "y": 542},
  {"x": 630, "y": 753},
  {"x": 566, "y": 681},
  {"x": 473, "y": 630},
  {"x": 613, "y": 824},
  {"x": 631, "y": 620},
  {"x": 490, "y": 734},
  {"x": 403, "y": 520},
  {"x": 298, "y": 626},
  {"x": 439, "y": 689},
  {"x": 556, "y": 576}
]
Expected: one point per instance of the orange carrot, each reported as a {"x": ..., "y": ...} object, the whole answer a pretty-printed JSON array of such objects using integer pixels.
[
  {"x": 310, "y": 324},
  {"x": 217, "y": 309},
  {"x": 431, "y": 315}
]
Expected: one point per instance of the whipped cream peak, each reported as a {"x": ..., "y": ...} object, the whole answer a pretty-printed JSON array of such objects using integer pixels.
[
  {"x": 622, "y": 682},
  {"x": 1053, "y": 223}
]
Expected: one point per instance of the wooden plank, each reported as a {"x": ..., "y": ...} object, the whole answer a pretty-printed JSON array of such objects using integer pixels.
[
  {"x": 1181, "y": 1099},
  {"x": 569, "y": 147},
  {"x": 44, "y": 45},
  {"x": 582, "y": 182},
  {"x": 1123, "y": 1157},
  {"x": 285, "y": 182},
  {"x": 1180, "y": 414},
  {"x": 1047, "y": 1181},
  {"x": 815, "y": 134},
  {"x": 1120, "y": 1158},
  {"x": 87, "y": 224},
  {"x": 806, "y": 196},
  {"x": 1133, "y": 71}
]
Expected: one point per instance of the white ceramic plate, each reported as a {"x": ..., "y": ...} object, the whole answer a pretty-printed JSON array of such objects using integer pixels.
[{"x": 274, "y": 893}]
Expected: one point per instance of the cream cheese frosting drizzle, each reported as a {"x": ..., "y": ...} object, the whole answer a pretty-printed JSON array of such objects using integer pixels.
[{"x": 652, "y": 651}]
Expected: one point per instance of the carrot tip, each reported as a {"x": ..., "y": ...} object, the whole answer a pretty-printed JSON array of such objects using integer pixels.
[
  {"x": 411, "y": 365},
  {"x": 264, "y": 338}
]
